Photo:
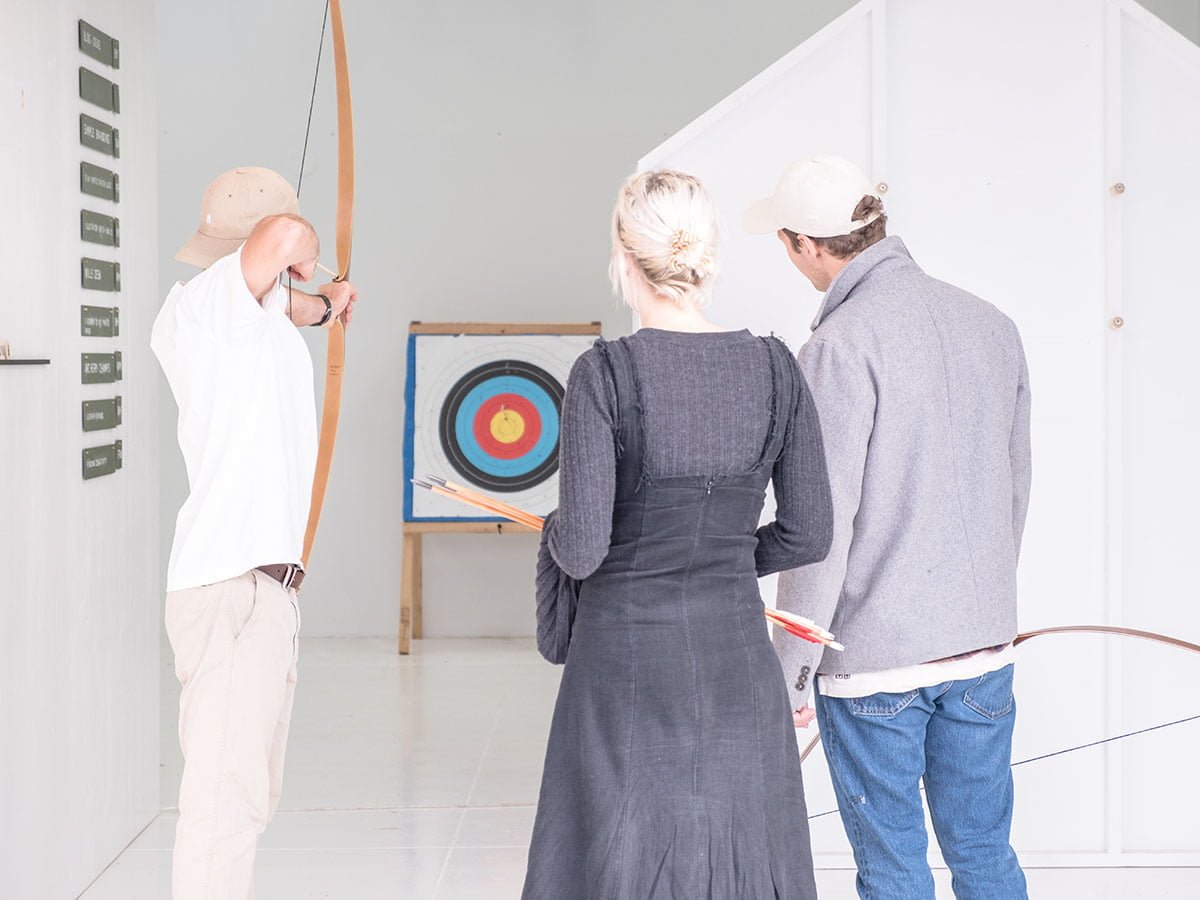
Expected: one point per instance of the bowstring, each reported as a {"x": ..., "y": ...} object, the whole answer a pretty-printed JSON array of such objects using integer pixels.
[
  {"x": 1119, "y": 737},
  {"x": 1033, "y": 759},
  {"x": 312, "y": 103}
]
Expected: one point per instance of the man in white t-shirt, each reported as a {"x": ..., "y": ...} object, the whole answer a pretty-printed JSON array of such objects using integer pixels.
[{"x": 243, "y": 379}]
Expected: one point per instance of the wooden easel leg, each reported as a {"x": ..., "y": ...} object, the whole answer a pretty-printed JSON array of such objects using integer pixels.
[
  {"x": 418, "y": 588},
  {"x": 409, "y": 579}
]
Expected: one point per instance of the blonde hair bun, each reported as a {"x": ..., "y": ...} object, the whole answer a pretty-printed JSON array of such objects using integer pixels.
[{"x": 666, "y": 223}]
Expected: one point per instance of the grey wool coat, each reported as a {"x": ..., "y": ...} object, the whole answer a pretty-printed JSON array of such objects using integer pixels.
[{"x": 923, "y": 395}]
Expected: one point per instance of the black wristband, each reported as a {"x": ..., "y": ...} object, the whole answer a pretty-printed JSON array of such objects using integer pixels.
[{"x": 328, "y": 311}]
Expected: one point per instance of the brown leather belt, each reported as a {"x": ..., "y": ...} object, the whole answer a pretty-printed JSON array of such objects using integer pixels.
[{"x": 288, "y": 575}]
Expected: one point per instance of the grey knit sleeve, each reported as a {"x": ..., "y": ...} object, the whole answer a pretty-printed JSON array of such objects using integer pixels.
[
  {"x": 578, "y": 537},
  {"x": 803, "y": 528}
]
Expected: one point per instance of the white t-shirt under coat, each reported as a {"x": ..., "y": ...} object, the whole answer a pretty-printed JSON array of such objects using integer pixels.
[
  {"x": 911, "y": 678},
  {"x": 243, "y": 379}
]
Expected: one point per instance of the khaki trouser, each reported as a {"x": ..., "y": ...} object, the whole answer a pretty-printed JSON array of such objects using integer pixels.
[{"x": 236, "y": 645}]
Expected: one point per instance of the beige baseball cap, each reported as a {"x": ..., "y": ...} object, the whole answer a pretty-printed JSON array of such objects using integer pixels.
[
  {"x": 814, "y": 197},
  {"x": 234, "y": 202}
]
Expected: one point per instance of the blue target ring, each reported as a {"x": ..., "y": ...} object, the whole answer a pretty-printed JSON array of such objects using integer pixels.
[
  {"x": 477, "y": 456},
  {"x": 540, "y": 396}
]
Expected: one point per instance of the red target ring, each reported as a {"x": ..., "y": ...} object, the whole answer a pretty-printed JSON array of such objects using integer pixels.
[
  {"x": 499, "y": 425},
  {"x": 507, "y": 426}
]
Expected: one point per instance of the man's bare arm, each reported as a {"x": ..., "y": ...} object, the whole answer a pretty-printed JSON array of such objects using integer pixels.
[
  {"x": 277, "y": 244},
  {"x": 309, "y": 309}
]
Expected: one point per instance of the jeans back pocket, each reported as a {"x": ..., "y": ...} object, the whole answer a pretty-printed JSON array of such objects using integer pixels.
[
  {"x": 884, "y": 705},
  {"x": 992, "y": 695}
]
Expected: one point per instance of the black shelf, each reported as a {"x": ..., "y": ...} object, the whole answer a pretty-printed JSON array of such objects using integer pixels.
[{"x": 24, "y": 362}]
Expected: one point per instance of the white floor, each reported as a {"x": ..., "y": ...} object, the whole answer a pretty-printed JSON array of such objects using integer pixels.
[{"x": 417, "y": 777}]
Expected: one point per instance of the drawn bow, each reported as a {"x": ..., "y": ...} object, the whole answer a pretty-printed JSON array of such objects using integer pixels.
[{"x": 344, "y": 229}]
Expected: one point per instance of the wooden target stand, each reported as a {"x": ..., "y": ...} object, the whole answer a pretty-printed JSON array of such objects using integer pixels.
[
  {"x": 410, "y": 577},
  {"x": 411, "y": 574}
]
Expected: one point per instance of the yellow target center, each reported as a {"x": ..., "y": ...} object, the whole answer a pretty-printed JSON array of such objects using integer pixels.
[{"x": 507, "y": 426}]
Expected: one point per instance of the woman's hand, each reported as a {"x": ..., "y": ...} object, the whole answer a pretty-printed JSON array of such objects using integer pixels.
[{"x": 802, "y": 718}]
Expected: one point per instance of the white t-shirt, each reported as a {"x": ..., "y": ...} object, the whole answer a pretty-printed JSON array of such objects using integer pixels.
[
  {"x": 243, "y": 379},
  {"x": 922, "y": 675}
]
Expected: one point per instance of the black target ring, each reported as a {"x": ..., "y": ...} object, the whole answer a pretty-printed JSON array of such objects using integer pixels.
[{"x": 464, "y": 453}]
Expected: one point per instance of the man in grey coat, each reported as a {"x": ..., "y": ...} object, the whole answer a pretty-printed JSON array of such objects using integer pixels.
[{"x": 923, "y": 394}]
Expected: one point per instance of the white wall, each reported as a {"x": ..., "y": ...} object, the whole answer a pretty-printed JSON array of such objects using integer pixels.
[
  {"x": 79, "y": 562},
  {"x": 1000, "y": 181},
  {"x": 491, "y": 138},
  {"x": 490, "y": 141}
]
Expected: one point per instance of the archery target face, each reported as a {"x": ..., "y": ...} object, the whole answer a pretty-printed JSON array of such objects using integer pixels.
[{"x": 485, "y": 414}]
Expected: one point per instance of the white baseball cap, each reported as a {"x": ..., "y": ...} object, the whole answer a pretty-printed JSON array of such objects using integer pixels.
[
  {"x": 815, "y": 197},
  {"x": 234, "y": 202}
]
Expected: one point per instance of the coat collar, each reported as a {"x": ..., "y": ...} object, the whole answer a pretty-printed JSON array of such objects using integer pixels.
[{"x": 888, "y": 250}]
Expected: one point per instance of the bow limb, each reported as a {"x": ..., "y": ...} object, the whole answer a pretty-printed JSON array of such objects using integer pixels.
[
  {"x": 810, "y": 747},
  {"x": 1154, "y": 636},
  {"x": 1110, "y": 629},
  {"x": 345, "y": 119},
  {"x": 344, "y": 227}
]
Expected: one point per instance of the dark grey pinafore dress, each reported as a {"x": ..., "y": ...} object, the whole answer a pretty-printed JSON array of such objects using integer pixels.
[{"x": 672, "y": 769}]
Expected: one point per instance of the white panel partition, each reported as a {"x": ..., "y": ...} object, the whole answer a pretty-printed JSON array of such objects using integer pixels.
[
  {"x": 1158, "y": 140},
  {"x": 999, "y": 134},
  {"x": 79, "y": 573}
]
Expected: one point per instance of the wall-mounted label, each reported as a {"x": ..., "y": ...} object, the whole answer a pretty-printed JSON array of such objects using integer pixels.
[
  {"x": 100, "y": 415},
  {"x": 98, "y": 45},
  {"x": 97, "y": 228},
  {"x": 101, "y": 368},
  {"x": 99, "y": 90},
  {"x": 103, "y": 460},
  {"x": 99, "y": 135},
  {"x": 99, "y": 321},
  {"x": 99, "y": 182},
  {"x": 100, "y": 275}
]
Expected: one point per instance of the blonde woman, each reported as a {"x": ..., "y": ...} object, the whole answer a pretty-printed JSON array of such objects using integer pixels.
[{"x": 672, "y": 768}]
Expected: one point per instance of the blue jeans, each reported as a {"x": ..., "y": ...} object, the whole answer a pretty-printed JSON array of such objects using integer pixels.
[{"x": 957, "y": 736}]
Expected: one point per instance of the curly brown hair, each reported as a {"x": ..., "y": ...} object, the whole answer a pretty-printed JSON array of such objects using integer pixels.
[{"x": 843, "y": 246}]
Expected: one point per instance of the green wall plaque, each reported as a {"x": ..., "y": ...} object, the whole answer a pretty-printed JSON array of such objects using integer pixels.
[
  {"x": 100, "y": 415},
  {"x": 98, "y": 45},
  {"x": 99, "y": 135},
  {"x": 99, "y": 90},
  {"x": 99, "y": 182},
  {"x": 99, "y": 321},
  {"x": 97, "y": 228},
  {"x": 103, "y": 460},
  {"x": 100, "y": 275},
  {"x": 101, "y": 368}
]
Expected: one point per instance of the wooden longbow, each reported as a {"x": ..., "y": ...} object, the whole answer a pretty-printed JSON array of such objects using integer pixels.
[{"x": 335, "y": 358}]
